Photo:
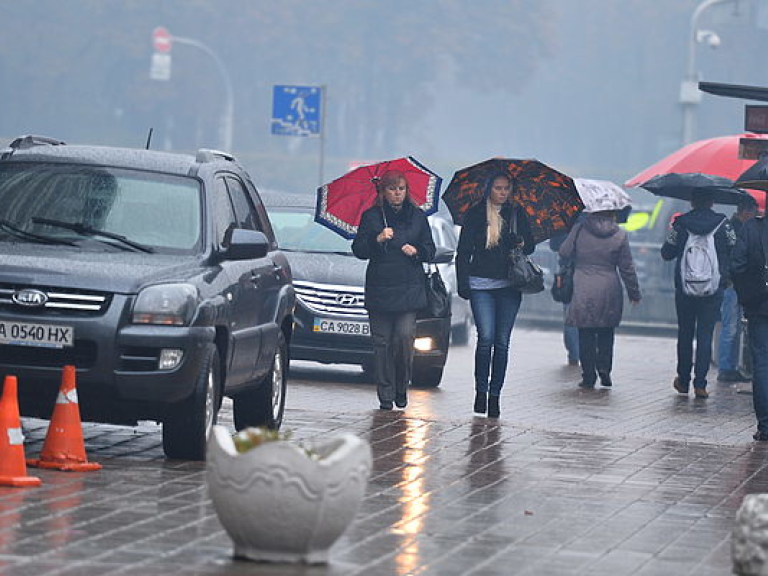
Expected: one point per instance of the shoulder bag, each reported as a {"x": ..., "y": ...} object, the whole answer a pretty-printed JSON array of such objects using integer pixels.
[
  {"x": 438, "y": 299},
  {"x": 562, "y": 286},
  {"x": 525, "y": 275}
]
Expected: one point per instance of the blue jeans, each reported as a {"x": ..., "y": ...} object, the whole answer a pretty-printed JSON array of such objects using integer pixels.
[
  {"x": 696, "y": 318},
  {"x": 570, "y": 337},
  {"x": 730, "y": 329},
  {"x": 758, "y": 345},
  {"x": 494, "y": 312}
]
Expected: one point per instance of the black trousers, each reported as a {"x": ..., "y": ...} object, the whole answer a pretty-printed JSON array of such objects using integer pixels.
[
  {"x": 595, "y": 352},
  {"x": 392, "y": 334}
]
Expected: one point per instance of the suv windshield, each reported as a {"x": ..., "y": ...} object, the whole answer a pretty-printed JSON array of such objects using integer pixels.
[
  {"x": 296, "y": 230},
  {"x": 91, "y": 207}
]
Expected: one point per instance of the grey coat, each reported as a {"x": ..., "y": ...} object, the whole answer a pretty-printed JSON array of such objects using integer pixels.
[{"x": 601, "y": 252}]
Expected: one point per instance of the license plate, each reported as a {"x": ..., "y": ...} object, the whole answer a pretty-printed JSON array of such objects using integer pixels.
[
  {"x": 350, "y": 327},
  {"x": 28, "y": 334}
]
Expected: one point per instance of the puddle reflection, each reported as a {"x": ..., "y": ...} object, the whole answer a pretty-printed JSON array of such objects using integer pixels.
[
  {"x": 485, "y": 466},
  {"x": 400, "y": 447}
]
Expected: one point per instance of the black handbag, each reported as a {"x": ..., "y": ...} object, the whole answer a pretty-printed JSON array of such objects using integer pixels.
[
  {"x": 525, "y": 275},
  {"x": 562, "y": 286},
  {"x": 438, "y": 299}
]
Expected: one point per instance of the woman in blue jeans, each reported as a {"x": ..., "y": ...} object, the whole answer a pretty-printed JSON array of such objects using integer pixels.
[{"x": 490, "y": 230}]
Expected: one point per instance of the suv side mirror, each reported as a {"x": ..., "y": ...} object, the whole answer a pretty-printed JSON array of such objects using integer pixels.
[
  {"x": 246, "y": 245},
  {"x": 443, "y": 255}
]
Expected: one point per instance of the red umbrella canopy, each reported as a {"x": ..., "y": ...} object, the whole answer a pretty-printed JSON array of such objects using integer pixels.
[
  {"x": 549, "y": 197},
  {"x": 714, "y": 156},
  {"x": 341, "y": 203}
]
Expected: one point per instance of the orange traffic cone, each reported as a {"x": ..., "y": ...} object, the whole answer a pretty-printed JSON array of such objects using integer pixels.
[
  {"x": 13, "y": 469},
  {"x": 64, "y": 448}
]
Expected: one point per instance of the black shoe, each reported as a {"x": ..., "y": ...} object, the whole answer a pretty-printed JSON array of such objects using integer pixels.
[
  {"x": 481, "y": 403},
  {"x": 385, "y": 406},
  {"x": 732, "y": 376},
  {"x": 586, "y": 385},
  {"x": 573, "y": 361},
  {"x": 493, "y": 407},
  {"x": 401, "y": 401},
  {"x": 605, "y": 380},
  {"x": 679, "y": 386},
  {"x": 760, "y": 436}
]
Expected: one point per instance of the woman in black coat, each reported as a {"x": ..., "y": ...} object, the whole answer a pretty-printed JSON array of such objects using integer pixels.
[
  {"x": 489, "y": 231},
  {"x": 395, "y": 237}
]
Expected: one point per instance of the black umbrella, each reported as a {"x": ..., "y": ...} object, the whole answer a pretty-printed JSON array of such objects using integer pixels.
[
  {"x": 688, "y": 185},
  {"x": 756, "y": 176}
]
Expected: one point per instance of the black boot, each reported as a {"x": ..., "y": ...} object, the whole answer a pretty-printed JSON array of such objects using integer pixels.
[
  {"x": 481, "y": 403},
  {"x": 493, "y": 407}
]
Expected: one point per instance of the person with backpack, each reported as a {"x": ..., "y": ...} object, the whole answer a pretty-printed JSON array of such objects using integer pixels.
[{"x": 700, "y": 241}]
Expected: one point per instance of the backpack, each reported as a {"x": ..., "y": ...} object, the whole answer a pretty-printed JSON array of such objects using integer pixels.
[{"x": 699, "y": 268}]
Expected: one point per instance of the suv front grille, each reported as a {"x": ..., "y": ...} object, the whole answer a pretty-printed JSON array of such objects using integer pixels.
[
  {"x": 60, "y": 301},
  {"x": 333, "y": 299}
]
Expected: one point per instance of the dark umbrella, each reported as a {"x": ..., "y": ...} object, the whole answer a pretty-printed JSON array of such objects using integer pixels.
[
  {"x": 687, "y": 185},
  {"x": 756, "y": 176},
  {"x": 549, "y": 197}
]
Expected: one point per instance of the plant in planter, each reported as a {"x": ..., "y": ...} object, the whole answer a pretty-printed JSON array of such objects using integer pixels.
[{"x": 284, "y": 502}]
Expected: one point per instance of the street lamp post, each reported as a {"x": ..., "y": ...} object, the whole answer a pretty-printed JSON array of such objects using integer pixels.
[
  {"x": 689, "y": 88},
  {"x": 227, "y": 121}
]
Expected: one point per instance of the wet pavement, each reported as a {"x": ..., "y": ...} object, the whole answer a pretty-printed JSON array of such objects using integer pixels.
[{"x": 630, "y": 480}]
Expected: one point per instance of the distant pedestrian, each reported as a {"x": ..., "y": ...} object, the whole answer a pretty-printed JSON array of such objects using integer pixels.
[
  {"x": 490, "y": 230},
  {"x": 731, "y": 311},
  {"x": 570, "y": 333},
  {"x": 395, "y": 237},
  {"x": 600, "y": 249},
  {"x": 697, "y": 315},
  {"x": 751, "y": 282}
]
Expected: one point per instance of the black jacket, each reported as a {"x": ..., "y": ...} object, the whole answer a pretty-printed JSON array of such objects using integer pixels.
[
  {"x": 474, "y": 259},
  {"x": 394, "y": 282},
  {"x": 700, "y": 221},
  {"x": 748, "y": 268}
]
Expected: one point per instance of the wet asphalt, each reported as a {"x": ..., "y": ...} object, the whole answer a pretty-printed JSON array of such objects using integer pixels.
[{"x": 635, "y": 479}]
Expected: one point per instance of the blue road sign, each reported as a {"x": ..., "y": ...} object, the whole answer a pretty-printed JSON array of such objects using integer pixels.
[{"x": 296, "y": 110}]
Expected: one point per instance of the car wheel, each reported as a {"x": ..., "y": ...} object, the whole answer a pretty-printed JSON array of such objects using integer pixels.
[
  {"x": 427, "y": 377},
  {"x": 264, "y": 406},
  {"x": 188, "y": 424}
]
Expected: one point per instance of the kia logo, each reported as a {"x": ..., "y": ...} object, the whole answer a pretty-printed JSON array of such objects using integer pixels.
[
  {"x": 347, "y": 299},
  {"x": 30, "y": 297}
]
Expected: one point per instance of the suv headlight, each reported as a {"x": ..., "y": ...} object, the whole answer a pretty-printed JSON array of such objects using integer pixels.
[{"x": 166, "y": 304}]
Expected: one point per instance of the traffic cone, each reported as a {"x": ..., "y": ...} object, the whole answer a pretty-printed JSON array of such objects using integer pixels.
[
  {"x": 13, "y": 469},
  {"x": 64, "y": 448}
]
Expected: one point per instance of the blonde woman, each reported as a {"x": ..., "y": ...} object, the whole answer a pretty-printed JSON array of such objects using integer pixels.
[{"x": 490, "y": 230}]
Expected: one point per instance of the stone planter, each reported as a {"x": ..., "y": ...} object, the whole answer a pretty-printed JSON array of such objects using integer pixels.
[
  {"x": 278, "y": 504},
  {"x": 749, "y": 543}
]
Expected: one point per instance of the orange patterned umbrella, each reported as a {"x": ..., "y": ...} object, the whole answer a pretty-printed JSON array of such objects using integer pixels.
[{"x": 549, "y": 197}]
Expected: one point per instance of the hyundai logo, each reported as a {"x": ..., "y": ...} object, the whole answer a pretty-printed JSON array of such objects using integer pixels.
[
  {"x": 347, "y": 299},
  {"x": 30, "y": 297}
]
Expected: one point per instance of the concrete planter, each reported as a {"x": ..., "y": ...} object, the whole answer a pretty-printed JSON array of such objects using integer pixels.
[
  {"x": 278, "y": 504},
  {"x": 749, "y": 543}
]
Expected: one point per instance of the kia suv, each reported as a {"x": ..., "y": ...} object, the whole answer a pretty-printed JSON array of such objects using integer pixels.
[{"x": 156, "y": 275}]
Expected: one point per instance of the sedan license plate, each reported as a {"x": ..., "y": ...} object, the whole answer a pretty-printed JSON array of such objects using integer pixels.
[
  {"x": 349, "y": 327},
  {"x": 28, "y": 334}
]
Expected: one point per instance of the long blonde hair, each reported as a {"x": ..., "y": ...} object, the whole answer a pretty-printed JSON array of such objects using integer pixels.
[{"x": 495, "y": 225}]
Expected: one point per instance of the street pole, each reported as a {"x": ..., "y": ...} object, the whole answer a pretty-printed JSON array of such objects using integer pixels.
[
  {"x": 323, "y": 104},
  {"x": 690, "y": 96},
  {"x": 227, "y": 121}
]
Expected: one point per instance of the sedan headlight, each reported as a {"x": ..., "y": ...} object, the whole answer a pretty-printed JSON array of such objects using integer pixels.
[{"x": 166, "y": 304}]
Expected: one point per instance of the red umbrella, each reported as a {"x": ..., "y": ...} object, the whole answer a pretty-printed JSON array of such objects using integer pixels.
[
  {"x": 341, "y": 203},
  {"x": 549, "y": 197},
  {"x": 714, "y": 156}
]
